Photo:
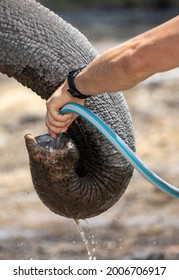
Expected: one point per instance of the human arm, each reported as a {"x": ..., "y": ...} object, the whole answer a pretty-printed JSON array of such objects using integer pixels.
[
  {"x": 120, "y": 68},
  {"x": 131, "y": 62}
]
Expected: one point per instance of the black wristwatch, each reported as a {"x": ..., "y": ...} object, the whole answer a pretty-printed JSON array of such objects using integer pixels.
[{"x": 72, "y": 88}]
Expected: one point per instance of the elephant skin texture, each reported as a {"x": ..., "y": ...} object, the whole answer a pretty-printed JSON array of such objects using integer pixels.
[{"x": 78, "y": 175}]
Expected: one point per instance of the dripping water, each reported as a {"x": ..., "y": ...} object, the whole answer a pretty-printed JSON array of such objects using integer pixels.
[{"x": 88, "y": 238}]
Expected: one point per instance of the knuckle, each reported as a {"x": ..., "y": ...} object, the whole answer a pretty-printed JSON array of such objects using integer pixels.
[{"x": 56, "y": 117}]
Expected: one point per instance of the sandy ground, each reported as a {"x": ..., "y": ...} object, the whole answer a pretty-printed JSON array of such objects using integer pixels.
[{"x": 142, "y": 225}]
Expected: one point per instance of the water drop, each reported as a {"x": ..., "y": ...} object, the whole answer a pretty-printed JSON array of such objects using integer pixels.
[
  {"x": 86, "y": 240},
  {"x": 92, "y": 240},
  {"x": 51, "y": 149}
]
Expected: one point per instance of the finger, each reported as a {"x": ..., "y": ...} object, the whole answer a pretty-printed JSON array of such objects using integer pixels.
[
  {"x": 56, "y": 129},
  {"x": 56, "y": 113},
  {"x": 53, "y": 130},
  {"x": 61, "y": 118},
  {"x": 74, "y": 116},
  {"x": 52, "y": 134},
  {"x": 52, "y": 122}
]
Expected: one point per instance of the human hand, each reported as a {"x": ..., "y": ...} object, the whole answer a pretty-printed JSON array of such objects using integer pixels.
[{"x": 56, "y": 122}]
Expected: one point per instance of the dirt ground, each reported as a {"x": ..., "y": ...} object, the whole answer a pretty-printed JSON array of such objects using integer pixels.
[{"x": 142, "y": 225}]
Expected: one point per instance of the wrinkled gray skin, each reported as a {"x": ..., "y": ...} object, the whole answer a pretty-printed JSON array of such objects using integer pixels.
[{"x": 80, "y": 175}]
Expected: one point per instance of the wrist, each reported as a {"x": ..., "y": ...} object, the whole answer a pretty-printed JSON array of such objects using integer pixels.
[
  {"x": 66, "y": 94},
  {"x": 72, "y": 89},
  {"x": 67, "y": 97}
]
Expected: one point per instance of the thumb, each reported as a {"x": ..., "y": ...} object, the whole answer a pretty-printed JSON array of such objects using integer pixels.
[{"x": 74, "y": 116}]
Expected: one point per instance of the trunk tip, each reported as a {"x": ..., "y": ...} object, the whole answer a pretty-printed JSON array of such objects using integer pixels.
[{"x": 30, "y": 140}]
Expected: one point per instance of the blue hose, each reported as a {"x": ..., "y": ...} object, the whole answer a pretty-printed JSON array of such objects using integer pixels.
[{"x": 120, "y": 145}]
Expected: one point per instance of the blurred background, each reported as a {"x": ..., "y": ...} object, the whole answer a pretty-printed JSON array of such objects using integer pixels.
[
  {"x": 79, "y": 4},
  {"x": 144, "y": 223}
]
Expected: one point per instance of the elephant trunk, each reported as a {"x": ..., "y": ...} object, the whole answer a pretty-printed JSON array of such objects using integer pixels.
[
  {"x": 58, "y": 184},
  {"x": 86, "y": 175}
]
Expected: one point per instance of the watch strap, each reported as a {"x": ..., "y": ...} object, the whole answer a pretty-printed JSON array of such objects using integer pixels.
[{"x": 72, "y": 88}]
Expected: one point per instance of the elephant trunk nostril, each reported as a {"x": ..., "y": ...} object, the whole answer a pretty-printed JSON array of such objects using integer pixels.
[
  {"x": 46, "y": 149},
  {"x": 47, "y": 142}
]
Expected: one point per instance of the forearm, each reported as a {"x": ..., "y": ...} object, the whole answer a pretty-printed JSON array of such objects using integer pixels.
[{"x": 126, "y": 65}]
